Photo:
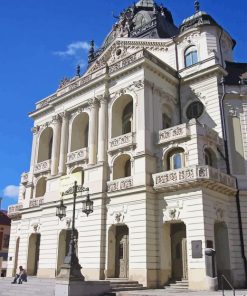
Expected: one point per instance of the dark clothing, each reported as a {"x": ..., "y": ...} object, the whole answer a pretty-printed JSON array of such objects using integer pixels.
[{"x": 21, "y": 277}]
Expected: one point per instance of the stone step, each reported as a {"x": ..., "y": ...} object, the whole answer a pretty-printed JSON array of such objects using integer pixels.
[
  {"x": 178, "y": 285},
  {"x": 123, "y": 284}
]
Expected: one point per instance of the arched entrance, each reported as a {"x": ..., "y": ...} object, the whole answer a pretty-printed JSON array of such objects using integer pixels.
[
  {"x": 118, "y": 252},
  {"x": 16, "y": 256},
  {"x": 63, "y": 246},
  {"x": 222, "y": 250},
  {"x": 33, "y": 254},
  {"x": 178, "y": 251}
]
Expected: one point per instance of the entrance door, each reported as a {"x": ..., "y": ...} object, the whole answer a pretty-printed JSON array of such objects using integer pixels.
[
  {"x": 122, "y": 252},
  {"x": 33, "y": 254},
  {"x": 179, "y": 251}
]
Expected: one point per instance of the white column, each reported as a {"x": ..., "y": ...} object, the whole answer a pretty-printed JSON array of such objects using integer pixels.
[
  {"x": 35, "y": 131},
  {"x": 55, "y": 144},
  {"x": 93, "y": 130},
  {"x": 102, "y": 130},
  {"x": 64, "y": 143}
]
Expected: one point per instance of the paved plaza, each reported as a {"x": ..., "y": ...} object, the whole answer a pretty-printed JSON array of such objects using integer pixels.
[{"x": 180, "y": 293}]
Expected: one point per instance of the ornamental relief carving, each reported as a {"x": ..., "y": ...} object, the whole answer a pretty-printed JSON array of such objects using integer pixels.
[
  {"x": 35, "y": 227},
  {"x": 118, "y": 213},
  {"x": 134, "y": 86},
  {"x": 173, "y": 211},
  {"x": 219, "y": 211}
]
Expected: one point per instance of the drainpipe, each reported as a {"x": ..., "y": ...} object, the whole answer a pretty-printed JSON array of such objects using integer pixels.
[
  {"x": 179, "y": 82},
  {"x": 224, "y": 133},
  {"x": 221, "y": 54}
]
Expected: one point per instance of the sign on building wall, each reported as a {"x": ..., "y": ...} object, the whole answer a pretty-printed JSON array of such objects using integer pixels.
[{"x": 68, "y": 181}]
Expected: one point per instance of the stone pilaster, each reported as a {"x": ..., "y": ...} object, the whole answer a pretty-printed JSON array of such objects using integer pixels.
[
  {"x": 64, "y": 143},
  {"x": 93, "y": 133},
  {"x": 103, "y": 116},
  {"x": 56, "y": 122}
]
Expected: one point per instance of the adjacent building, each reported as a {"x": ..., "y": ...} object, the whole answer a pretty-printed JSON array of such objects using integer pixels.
[
  {"x": 156, "y": 128},
  {"x": 4, "y": 240}
]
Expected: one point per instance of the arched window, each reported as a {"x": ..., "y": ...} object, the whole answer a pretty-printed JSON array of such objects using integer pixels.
[
  {"x": 79, "y": 134},
  {"x": 190, "y": 56},
  {"x": 122, "y": 167},
  {"x": 175, "y": 159},
  {"x": 45, "y": 145},
  {"x": 127, "y": 118},
  {"x": 210, "y": 158}
]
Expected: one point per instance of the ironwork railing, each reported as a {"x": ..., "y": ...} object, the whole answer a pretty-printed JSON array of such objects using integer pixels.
[{"x": 224, "y": 279}]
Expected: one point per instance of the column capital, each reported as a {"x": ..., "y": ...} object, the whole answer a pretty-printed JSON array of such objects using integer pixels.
[
  {"x": 64, "y": 115},
  {"x": 35, "y": 129},
  {"x": 93, "y": 102},
  {"x": 56, "y": 119},
  {"x": 102, "y": 99}
]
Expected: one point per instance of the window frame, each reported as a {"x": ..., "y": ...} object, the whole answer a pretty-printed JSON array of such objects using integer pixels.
[{"x": 189, "y": 53}]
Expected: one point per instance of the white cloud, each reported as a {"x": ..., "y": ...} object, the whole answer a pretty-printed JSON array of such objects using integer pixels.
[
  {"x": 74, "y": 49},
  {"x": 11, "y": 191}
]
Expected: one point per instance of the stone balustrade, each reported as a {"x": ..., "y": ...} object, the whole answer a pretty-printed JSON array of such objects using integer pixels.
[
  {"x": 195, "y": 174},
  {"x": 174, "y": 133},
  {"x": 36, "y": 202},
  {"x": 121, "y": 141},
  {"x": 77, "y": 155},
  {"x": 24, "y": 178},
  {"x": 120, "y": 184},
  {"x": 42, "y": 167},
  {"x": 14, "y": 210}
]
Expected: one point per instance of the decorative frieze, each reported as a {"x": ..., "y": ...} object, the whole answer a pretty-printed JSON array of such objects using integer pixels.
[
  {"x": 36, "y": 202},
  {"x": 126, "y": 61},
  {"x": 120, "y": 142},
  {"x": 177, "y": 132},
  {"x": 78, "y": 155},
  {"x": 41, "y": 167},
  {"x": 120, "y": 184},
  {"x": 195, "y": 175}
]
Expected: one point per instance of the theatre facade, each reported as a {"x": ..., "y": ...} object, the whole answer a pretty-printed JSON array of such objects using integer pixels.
[{"x": 156, "y": 129}]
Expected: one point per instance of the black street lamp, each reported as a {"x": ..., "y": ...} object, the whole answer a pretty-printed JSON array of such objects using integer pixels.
[{"x": 71, "y": 268}]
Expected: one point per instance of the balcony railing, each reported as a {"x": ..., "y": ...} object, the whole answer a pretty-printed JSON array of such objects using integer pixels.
[
  {"x": 77, "y": 155},
  {"x": 24, "y": 178},
  {"x": 42, "y": 167},
  {"x": 14, "y": 210},
  {"x": 120, "y": 184},
  {"x": 194, "y": 175},
  {"x": 174, "y": 133},
  {"x": 122, "y": 141},
  {"x": 36, "y": 202}
]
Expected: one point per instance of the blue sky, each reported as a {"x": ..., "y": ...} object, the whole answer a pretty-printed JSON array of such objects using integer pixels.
[{"x": 42, "y": 41}]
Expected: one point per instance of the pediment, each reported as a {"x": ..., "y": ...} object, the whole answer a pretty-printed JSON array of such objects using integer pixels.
[{"x": 123, "y": 47}]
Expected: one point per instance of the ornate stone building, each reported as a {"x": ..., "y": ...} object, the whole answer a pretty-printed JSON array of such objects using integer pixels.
[{"x": 156, "y": 128}]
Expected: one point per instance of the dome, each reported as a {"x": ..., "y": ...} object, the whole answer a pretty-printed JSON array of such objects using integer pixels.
[{"x": 145, "y": 19}]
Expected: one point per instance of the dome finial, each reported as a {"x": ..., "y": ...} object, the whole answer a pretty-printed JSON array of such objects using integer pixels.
[{"x": 197, "y": 6}]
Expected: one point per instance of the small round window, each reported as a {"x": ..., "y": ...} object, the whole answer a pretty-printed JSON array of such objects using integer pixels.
[{"x": 194, "y": 110}]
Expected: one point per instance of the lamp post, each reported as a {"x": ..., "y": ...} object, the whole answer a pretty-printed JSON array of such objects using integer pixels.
[{"x": 71, "y": 269}]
